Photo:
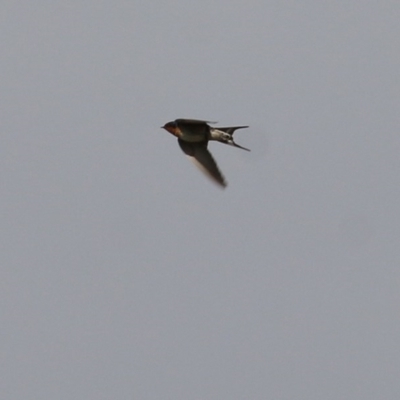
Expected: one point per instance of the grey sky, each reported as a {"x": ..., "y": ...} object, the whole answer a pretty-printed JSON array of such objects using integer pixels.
[{"x": 126, "y": 274}]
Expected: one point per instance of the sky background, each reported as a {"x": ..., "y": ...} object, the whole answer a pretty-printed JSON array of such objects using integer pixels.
[{"x": 127, "y": 274}]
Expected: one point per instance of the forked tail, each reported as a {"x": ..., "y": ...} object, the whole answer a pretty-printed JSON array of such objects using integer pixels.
[{"x": 231, "y": 129}]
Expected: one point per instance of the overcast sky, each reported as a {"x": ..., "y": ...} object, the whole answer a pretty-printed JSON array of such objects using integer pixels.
[{"x": 127, "y": 274}]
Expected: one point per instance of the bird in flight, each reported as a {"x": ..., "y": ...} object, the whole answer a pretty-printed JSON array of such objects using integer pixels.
[{"x": 193, "y": 137}]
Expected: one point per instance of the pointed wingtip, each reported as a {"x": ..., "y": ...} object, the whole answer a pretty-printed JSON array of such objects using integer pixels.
[{"x": 202, "y": 158}]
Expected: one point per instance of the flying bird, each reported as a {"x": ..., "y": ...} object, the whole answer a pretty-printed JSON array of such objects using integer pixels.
[{"x": 193, "y": 137}]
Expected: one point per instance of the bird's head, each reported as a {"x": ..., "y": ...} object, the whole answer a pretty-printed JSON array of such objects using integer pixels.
[{"x": 171, "y": 127}]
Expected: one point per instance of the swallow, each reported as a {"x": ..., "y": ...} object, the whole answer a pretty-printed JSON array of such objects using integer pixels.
[{"x": 193, "y": 137}]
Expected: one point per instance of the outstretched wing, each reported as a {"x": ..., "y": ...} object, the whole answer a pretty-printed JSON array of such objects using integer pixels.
[{"x": 203, "y": 159}]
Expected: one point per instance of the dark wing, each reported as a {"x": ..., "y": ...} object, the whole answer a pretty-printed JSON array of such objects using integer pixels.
[
  {"x": 192, "y": 128},
  {"x": 203, "y": 159}
]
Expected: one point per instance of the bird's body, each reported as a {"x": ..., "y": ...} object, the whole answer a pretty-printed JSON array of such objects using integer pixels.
[{"x": 193, "y": 137}]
